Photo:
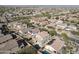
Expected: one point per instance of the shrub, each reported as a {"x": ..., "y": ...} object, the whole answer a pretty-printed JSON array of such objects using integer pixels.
[{"x": 52, "y": 32}]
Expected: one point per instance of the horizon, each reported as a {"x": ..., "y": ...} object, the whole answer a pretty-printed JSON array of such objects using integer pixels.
[{"x": 42, "y": 6}]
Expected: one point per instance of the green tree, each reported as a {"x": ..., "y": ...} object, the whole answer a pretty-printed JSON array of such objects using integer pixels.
[
  {"x": 52, "y": 32},
  {"x": 46, "y": 15},
  {"x": 75, "y": 32},
  {"x": 72, "y": 21},
  {"x": 27, "y": 50},
  {"x": 65, "y": 37}
]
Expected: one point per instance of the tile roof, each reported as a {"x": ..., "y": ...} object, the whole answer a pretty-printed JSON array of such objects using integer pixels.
[
  {"x": 57, "y": 44},
  {"x": 43, "y": 34}
]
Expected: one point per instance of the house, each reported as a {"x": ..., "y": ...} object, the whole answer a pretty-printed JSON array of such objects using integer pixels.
[
  {"x": 44, "y": 23},
  {"x": 42, "y": 38},
  {"x": 59, "y": 22},
  {"x": 54, "y": 46},
  {"x": 33, "y": 31},
  {"x": 23, "y": 29},
  {"x": 49, "y": 49},
  {"x": 61, "y": 26},
  {"x": 17, "y": 26},
  {"x": 40, "y": 21},
  {"x": 51, "y": 25},
  {"x": 14, "y": 26},
  {"x": 71, "y": 28},
  {"x": 57, "y": 44}
]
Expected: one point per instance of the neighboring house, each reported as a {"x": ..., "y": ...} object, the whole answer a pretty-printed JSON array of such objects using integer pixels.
[
  {"x": 51, "y": 25},
  {"x": 34, "y": 20},
  {"x": 13, "y": 25},
  {"x": 49, "y": 49},
  {"x": 18, "y": 27},
  {"x": 61, "y": 26},
  {"x": 54, "y": 46},
  {"x": 57, "y": 44},
  {"x": 23, "y": 29},
  {"x": 71, "y": 28},
  {"x": 40, "y": 21},
  {"x": 59, "y": 22},
  {"x": 33, "y": 31},
  {"x": 42, "y": 38},
  {"x": 44, "y": 23}
]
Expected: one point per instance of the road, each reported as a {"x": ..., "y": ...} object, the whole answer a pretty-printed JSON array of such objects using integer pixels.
[{"x": 73, "y": 37}]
